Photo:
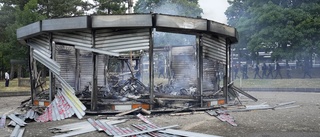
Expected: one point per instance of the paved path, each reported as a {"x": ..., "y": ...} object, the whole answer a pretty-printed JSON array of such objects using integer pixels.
[{"x": 296, "y": 122}]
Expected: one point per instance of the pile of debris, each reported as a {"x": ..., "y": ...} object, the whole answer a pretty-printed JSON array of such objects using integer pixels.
[{"x": 140, "y": 130}]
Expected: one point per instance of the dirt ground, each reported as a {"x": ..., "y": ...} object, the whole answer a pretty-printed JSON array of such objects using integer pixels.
[{"x": 294, "y": 122}]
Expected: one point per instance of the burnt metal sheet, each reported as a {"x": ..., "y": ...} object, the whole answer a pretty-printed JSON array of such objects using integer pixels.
[
  {"x": 122, "y": 40},
  {"x": 29, "y": 30},
  {"x": 179, "y": 22},
  {"x": 222, "y": 29},
  {"x": 15, "y": 131},
  {"x": 120, "y": 21},
  {"x": 66, "y": 23},
  {"x": 19, "y": 121}
]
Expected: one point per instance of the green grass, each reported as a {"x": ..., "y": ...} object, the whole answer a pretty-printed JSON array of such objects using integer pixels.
[
  {"x": 278, "y": 83},
  {"x": 247, "y": 83},
  {"x": 13, "y": 86}
]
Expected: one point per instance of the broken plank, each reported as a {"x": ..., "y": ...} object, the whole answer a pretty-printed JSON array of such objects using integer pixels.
[
  {"x": 284, "y": 104},
  {"x": 129, "y": 111},
  {"x": 287, "y": 107},
  {"x": 145, "y": 111},
  {"x": 212, "y": 113}
]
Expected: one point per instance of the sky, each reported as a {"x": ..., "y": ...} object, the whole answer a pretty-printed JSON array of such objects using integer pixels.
[{"x": 214, "y": 10}]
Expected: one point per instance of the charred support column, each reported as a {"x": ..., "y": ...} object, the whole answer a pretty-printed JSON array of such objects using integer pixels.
[
  {"x": 226, "y": 77},
  {"x": 229, "y": 60},
  {"x": 200, "y": 68},
  {"x": 94, "y": 93},
  {"x": 106, "y": 62},
  {"x": 77, "y": 75},
  {"x": 32, "y": 75},
  {"x": 151, "y": 72},
  {"x": 52, "y": 78}
]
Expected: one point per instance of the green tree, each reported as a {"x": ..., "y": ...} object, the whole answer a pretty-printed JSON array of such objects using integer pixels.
[
  {"x": 287, "y": 28},
  {"x": 17, "y": 13},
  {"x": 62, "y": 8},
  {"x": 188, "y": 8},
  {"x": 110, "y": 6},
  {"x": 10, "y": 48}
]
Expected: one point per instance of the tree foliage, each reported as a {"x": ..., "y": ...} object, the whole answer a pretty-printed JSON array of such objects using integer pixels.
[
  {"x": 189, "y": 8},
  {"x": 17, "y": 13},
  {"x": 287, "y": 28},
  {"x": 110, "y": 6}
]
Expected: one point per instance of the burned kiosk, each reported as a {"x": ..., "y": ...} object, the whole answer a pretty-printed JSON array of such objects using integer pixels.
[{"x": 110, "y": 61}]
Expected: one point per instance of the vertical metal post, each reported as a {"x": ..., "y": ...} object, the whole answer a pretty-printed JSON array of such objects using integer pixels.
[
  {"x": 170, "y": 64},
  {"x": 51, "y": 75},
  {"x": 229, "y": 60},
  {"x": 200, "y": 68},
  {"x": 106, "y": 67},
  {"x": 77, "y": 75},
  {"x": 151, "y": 67},
  {"x": 226, "y": 77},
  {"x": 130, "y": 10},
  {"x": 94, "y": 93},
  {"x": 32, "y": 87}
]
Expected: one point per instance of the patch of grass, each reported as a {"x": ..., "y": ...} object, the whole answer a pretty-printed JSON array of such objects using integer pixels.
[
  {"x": 13, "y": 86},
  {"x": 278, "y": 83},
  {"x": 247, "y": 83}
]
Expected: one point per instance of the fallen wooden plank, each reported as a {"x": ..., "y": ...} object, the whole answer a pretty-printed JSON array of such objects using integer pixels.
[
  {"x": 129, "y": 111},
  {"x": 287, "y": 107},
  {"x": 284, "y": 104},
  {"x": 185, "y": 113},
  {"x": 145, "y": 111}
]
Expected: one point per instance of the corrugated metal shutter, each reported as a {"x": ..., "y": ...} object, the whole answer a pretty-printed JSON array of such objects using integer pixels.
[
  {"x": 86, "y": 68},
  {"x": 81, "y": 40},
  {"x": 66, "y": 57},
  {"x": 122, "y": 40},
  {"x": 209, "y": 70},
  {"x": 101, "y": 67},
  {"x": 214, "y": 48},
  {"x": 41, "y": 40},
  {"x": 184, "y": 63}
]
